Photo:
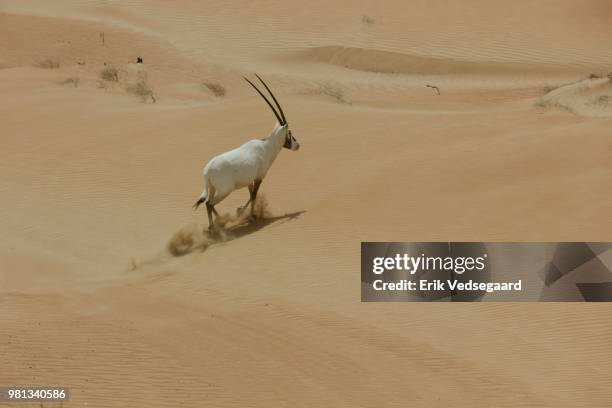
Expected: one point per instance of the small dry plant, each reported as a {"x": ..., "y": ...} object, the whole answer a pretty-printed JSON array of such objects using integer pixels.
[
  {"x": 48, "y": 63},
  {"x": 332, "y": 91},
  {"x": 142, "y": 89},
  {"x": 71, "y": 81},
  {"x": 216, "y": 88},
  {"x": 110, "y": 73},
  {"x": 367, "y": 20}
]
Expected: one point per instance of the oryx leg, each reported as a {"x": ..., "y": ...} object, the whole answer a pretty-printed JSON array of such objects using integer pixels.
[
  {"x": 253, "y": 192},
  {"x": 241, "y": 209},
  {"x": 209, "y": 211},
  {"x": 210, "y": 207}
]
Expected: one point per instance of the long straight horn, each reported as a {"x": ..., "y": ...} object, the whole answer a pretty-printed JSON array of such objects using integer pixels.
[
  {"x": 275, "y": 101},
  {"x": 280, "y": 120}
]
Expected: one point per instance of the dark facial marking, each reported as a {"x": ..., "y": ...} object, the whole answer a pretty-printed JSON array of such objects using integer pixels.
[{"x": 288, "y": 141}]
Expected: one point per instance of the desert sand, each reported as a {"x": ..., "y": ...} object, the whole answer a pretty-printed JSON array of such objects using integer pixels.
[{"x": 98, "y": 182}]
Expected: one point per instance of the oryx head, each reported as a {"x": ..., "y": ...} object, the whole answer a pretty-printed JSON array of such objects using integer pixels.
[{"x": 290, "y": 142}]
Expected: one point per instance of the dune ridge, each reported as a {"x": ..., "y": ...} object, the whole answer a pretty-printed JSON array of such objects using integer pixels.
[{"x": 373, "y": 60}]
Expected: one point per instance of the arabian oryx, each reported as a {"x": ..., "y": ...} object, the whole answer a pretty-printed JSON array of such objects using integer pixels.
[{"x": 247, "y": 165}]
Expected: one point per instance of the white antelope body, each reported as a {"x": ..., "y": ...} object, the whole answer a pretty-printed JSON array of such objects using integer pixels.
[{"x": 247, "y": 165}]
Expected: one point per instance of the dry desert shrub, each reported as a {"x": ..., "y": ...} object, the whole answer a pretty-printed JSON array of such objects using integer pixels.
[
  {"x": 142, "y": 89},
  {"x": 332, "y": 91},
  {"x": 71, "y": 81},
  {"x": 48, "y": 63},
  {"x": 553, "y": 103},
  {"x": 110, "y": 73},
  {"x": 367, "y": 20},
  {"x": 216, "y": 88}
]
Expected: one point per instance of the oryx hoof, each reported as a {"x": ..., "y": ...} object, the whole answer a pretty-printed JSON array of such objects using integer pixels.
[
  {"x": 239, "y": 211},
  {"x": 213, "y": 231}
]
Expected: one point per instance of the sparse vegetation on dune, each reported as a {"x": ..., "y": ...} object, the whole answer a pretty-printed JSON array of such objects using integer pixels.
[
  {"x": 216, "y": 88},
  {"x": 133, "y": 81},
  {"x": 71, "y": 81},
  {"x": 332, "y": 91},
  {"x": 328, "y": 89},
  {"x": 549, "y": 88},
  {"x": 550, "y": 103},
  {"x": 367, "y": 20},
  {"x": 600, "y": 76},
  {"x": 142, "y": 89},
  {"x": 588, "y": 96},
  {"x": 110, "y": 73},
  {"x": 48, "y": 63}
]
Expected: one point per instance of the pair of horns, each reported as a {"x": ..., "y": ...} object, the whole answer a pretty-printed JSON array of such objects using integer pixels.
[{"x": 281, "y": 117}]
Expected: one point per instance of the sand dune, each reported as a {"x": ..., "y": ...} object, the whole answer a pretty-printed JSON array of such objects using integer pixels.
[
  {"x": 398, "y": 63},
  {"x": 111, "y": 286},
  {"x": 587, "y": 97}
]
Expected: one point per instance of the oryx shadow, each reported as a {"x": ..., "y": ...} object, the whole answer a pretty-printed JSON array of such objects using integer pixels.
[
  {"x": 251, "y": 226},
  {"x": 189, "y": 239}
]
